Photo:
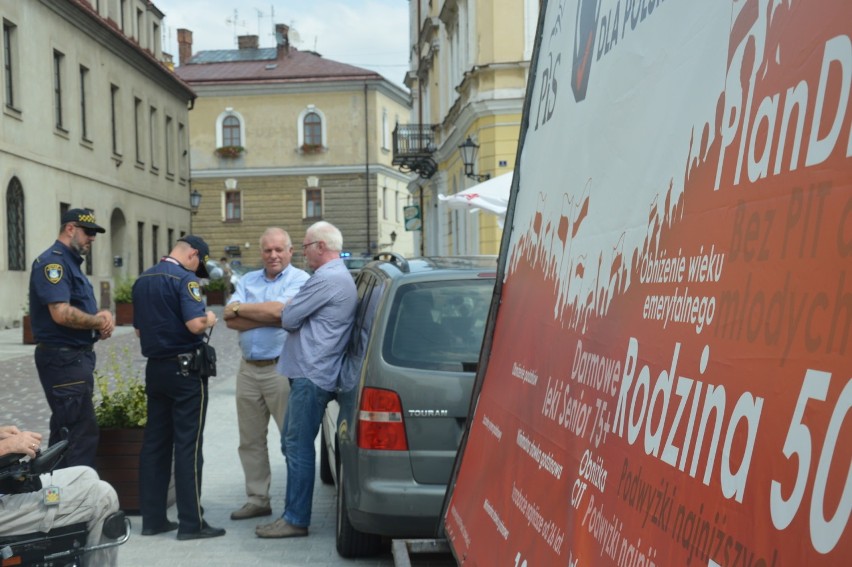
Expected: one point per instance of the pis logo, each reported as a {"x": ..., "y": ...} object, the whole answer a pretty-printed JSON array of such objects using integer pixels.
[{"x": 585, "y": 31}]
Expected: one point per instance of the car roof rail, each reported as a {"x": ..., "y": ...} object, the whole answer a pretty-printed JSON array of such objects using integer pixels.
[{"x": 397, "y": 260}]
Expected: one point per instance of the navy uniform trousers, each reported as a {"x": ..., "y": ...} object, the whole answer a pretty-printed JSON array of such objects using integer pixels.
[
  {"x": 66, "y": 375},
  {"x": 177, "y": 409}
]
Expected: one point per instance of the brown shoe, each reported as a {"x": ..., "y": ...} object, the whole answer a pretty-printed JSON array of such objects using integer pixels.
[
  {"x": 280, "y": 528},
  {"x": 250, "y": 510}
]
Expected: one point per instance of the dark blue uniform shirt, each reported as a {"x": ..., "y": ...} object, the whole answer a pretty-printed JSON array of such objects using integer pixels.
[
  {"x": 165, "y": 297},
  {"x": 57, "y": 278}
]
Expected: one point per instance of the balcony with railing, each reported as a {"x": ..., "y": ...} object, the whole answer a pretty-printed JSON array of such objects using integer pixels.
[{"x": 413, "y": 147}]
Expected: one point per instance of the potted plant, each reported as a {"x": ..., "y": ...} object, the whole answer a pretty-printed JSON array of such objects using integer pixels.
[
  {"x": 215, "y": 291},
  {"x": 229, "y": 152},
  {"x": 26, "y": 325},
  {"x": 312, "y": 148},
  {"x": 121, "y": 411},
  {"x": 124, "y": 301}
]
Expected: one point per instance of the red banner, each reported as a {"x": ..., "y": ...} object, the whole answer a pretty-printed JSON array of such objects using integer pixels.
[{"x": 670, "y": 375}]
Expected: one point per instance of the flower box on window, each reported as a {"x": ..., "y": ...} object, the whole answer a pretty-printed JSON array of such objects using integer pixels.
[
  {"x": 312, "y": 148},
  {"x": 230, "y": 152}
]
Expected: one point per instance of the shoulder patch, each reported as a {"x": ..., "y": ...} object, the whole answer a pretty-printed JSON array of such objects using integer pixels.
[
  {"x": 53, "y": 273},
  {"x": 194, "y": 290}
]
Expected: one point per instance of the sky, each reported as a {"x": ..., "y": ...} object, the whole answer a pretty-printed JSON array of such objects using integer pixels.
[{"x": 372, "y": 34}]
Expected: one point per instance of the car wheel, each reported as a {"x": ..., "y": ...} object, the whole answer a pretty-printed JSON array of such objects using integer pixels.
[
  {"x": 351, "y": 542},
  {"x": 325, "y": 466}
]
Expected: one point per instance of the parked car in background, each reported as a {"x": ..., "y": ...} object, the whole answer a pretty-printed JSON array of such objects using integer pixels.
[
  {"x": 217, "y": 271},
  {"x": 354, "y": 264},
  {"x": 390, "y": 439}
]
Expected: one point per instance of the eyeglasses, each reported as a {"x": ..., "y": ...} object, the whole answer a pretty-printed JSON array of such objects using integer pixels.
[
  {"x": 88, "y": 231},
  {"x": 305, "y": 246}
]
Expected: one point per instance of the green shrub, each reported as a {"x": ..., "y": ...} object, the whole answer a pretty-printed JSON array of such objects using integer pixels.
[
  {"x": 120, "y": 400},
  {"x": 218, "y": 284},
  {"x": 124, "y": 290}
]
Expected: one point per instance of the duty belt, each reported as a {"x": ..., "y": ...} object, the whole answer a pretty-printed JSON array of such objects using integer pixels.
[
  {"x": 269, "y": 362},
  {"x": 86, "y": 348}
]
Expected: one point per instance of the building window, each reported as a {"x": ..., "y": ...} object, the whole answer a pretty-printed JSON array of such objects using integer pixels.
[
  {"x": 169, "y": 146},
  {"x": 233, "y": 205},
  {"x": 140, "y": 26},
  {"x": 155, "y": 251},
  {"x": 58, "y": 60},
  {"x": 231, "y": 131},
  {"x": 171, "y": 239},
  {"x": 140, "y": 245},
  {"x": 235, "y": 132},
  {"x": 312, "y": 203},
  {"x": 9, "y": 60},
  {"x": 385, "y": 203},
  {"x": 113, "y": 109},
  {"x": 313, "y": 129},
  {"x": 137, "y": 129},
  {"x": 184, "y": 153},
  {"x": 15, "y": 226},
  {"x": 84, "y": 102},
  {"x": 152, "y": 136},
  {"x": 386, "y": 133}
]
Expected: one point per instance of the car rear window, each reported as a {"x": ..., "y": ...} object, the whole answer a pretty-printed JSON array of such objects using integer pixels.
[{"x": 438, "y": 325}]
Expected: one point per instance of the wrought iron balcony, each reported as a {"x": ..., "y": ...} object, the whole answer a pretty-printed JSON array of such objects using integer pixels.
[{"x": 413, "y": 146}]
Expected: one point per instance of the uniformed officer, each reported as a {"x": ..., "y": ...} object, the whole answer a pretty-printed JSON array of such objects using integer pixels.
[
  {"x": 171, "y": 324},
  {"x": 66, "y": 323}
]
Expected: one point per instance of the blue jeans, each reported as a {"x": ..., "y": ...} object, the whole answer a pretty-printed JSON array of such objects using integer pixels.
[{"x": 302, "y": 423}]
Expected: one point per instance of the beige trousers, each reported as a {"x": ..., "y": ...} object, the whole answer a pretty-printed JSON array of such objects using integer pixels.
[
  {"x": 261, "y": 393},
  {"x": 83, "y": 497}
]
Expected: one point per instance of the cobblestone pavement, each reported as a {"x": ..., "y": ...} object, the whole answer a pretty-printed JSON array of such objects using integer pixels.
[{"x": 23, "y": 404}]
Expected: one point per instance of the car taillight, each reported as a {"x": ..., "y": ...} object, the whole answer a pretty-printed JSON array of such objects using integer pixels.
[{"x": 380, "y": 425}]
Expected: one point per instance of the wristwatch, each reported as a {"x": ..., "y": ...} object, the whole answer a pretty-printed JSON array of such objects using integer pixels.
[{"x": 236, "y": 308}]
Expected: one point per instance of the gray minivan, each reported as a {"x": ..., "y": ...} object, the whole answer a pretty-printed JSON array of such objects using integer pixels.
[{"x": 390, "y": 439}]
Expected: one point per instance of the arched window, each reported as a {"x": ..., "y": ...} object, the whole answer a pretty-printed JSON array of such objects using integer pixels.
[
  {"x": 231, "y": 131},
  {"x": 15, "y": 234},
  {"x": 313, "y": 129}
]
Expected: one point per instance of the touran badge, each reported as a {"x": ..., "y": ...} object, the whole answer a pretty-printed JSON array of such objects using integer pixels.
[
  {"x": 195, "y": 291},
  {"x": 53, "y": 273}
]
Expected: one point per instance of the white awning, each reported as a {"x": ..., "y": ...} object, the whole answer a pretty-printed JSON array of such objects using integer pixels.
[{"x": 491, "y": 196}]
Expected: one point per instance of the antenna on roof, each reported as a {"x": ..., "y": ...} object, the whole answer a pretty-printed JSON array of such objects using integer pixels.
[
  {"x": 235, "y": 22},
  {"x": 260, "y": 16}
]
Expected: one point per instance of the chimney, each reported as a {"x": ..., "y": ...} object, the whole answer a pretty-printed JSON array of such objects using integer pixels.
[
  {"x": 247, "y": 42},
  {"x": 282, "y": 39},
  {"x": 184, "y": 45}
]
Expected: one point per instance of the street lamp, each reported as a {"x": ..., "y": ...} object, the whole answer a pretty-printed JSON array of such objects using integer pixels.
[
  {"x": 194, "y": 201},
  {"x": 468, "y": 150}
]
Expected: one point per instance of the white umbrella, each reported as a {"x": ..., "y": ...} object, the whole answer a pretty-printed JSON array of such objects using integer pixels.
[{"x": 491, "y": 196}]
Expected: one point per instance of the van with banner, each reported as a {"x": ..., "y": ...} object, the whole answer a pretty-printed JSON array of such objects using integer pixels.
[{"x": 666, "y": 376}]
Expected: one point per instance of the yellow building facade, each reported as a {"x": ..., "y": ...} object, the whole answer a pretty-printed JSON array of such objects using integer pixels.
[
  {"x": 283, "y": 137},
  {"x": 468, "y": 77}
]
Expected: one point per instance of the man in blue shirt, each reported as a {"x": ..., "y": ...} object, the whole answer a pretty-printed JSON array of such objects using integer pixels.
[
  {"x": 255, "y": 311},
  {"x": 318, "y": 321},
  {"x": 66, "y": 323},
  {"x": 171, "y": 320}
]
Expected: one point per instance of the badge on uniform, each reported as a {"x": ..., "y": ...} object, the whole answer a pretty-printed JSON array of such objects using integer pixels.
[
  {"x": 53, "y": 273},
  {"x": 195, "y": 290},
  {"x": 51, "y": 495}
]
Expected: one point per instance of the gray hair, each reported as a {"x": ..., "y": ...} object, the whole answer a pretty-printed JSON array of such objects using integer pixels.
[
  {"x": 275, "y": 231},
  {"x": 327, "y": 233}
]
